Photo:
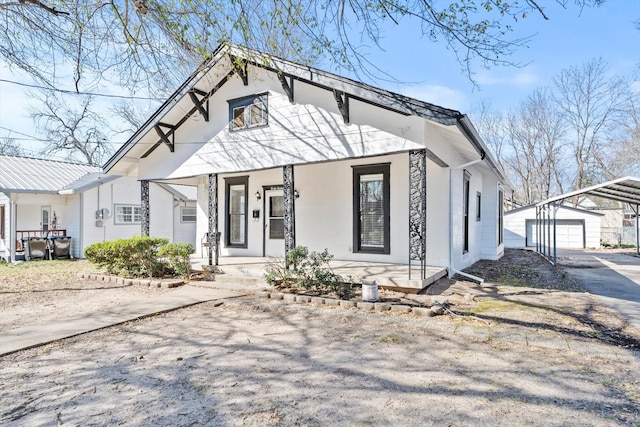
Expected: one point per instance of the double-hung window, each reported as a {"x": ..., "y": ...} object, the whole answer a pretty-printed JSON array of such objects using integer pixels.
[
  {"x": 187, "y": 214},
  {"x": 465, "y": 210},
  {"x": 128, "y": 214},
  {"x": 371, "y": 209},
  {"x": 248, "y": 112},
  {"x": 236, "y": 211}
]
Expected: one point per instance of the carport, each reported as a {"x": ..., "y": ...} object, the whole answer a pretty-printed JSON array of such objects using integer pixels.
[{"x": 626, "y": 190}]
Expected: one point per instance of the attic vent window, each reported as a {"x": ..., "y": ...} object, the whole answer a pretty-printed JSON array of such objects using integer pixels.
[{"x": 248, "y": 112}]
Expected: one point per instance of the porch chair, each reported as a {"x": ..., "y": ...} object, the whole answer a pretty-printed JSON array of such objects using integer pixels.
[
  {"x": 61, "y": 247},
  {"x": 204, "y": 245},
  {"x": 37, "y": 248}
]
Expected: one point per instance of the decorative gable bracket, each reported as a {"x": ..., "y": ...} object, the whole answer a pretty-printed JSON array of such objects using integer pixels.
[
  {"x": 240, "y": 67},
  {"x": 202, "y": 109},
  {"x": 343, "y": 104},
  {"x": 165, "y": 136},
  {"x": 287, "y": 86}
]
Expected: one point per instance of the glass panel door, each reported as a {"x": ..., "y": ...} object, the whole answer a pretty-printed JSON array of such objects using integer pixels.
[{"x": 274, "y": 223}]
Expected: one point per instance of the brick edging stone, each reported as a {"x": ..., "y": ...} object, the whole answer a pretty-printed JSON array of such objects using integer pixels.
[
  {"x": 152, "y": 283},
  {"x": 348, "y": 304}
]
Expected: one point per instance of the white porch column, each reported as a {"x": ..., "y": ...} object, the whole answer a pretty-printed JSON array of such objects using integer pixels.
[{"x": 144, "y": 204}]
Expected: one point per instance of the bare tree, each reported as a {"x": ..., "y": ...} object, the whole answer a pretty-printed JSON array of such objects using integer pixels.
[
  {"x": 73, "y": 131},
  {"x": 528, "y": 143},
  {"x": 590, "y": 101},
  {"x": 9, "y": 147},
  {"x": 535, "y": 148},
  {"x": 148, "y": 42},
  {"x": 624, "y": 156},
  {"x": 492, "y": 126}
]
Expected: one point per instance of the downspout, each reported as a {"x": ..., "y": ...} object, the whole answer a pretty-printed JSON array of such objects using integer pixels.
[{"x": 452, "y": 270}]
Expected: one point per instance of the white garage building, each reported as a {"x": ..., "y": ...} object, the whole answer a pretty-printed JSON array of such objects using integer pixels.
[{"x": 575, "y": 228}]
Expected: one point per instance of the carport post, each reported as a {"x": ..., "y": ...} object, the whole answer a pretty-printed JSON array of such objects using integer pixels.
[
  {"x": 549, "y": 231},
  {"x": 537, "y": 227},
  {"x": 545, "y": 223},
  {"x": 555, "y": 246},
  {"x": 637, "y": 229}
]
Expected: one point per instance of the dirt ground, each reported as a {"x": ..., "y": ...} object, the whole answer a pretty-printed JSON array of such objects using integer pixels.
[{"x": 536, "y": 351}]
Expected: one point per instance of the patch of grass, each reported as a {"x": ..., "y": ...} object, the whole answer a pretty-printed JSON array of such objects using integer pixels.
[
  {"x": 45, "y": 267},
  {"x": 391, "y": 338},
  {"x": 494, "y": 305}
]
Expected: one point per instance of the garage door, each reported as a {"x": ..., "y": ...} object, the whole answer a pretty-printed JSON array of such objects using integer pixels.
[{"x": 569, "y": 233}]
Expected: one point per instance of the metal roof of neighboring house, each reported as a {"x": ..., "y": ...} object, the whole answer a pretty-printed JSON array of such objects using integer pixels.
[
  {"x": 625, "y": 189},
  {"x": 29, "y": 175},
  {"x": 186, "y": 193},
  {"x": 86, "y": 182}
]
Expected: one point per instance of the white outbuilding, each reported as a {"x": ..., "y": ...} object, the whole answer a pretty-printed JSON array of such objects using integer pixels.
[{"x": 575, "y": 228}]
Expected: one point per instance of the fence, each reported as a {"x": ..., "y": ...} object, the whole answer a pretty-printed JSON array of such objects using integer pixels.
[{"x": 618, "y": 236}]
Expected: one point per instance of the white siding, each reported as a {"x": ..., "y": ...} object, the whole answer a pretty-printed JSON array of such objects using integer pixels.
[
  {"x": 324, "y": 212},
  {"x": 125, "y": 191},
  {"x": 73, "y": 223},
  {"x": 184, "y": 232},
  {"x": 309, "y": 130}
]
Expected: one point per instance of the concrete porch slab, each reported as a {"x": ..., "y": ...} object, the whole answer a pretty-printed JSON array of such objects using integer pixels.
[{"x": 387, "y": 275}]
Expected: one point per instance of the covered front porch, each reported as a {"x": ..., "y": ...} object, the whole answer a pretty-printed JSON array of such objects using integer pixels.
[{"x": 399, "y": 277}]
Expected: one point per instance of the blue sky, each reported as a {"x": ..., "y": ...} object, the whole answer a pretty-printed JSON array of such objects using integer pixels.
[{"x": 570, "y": 38}]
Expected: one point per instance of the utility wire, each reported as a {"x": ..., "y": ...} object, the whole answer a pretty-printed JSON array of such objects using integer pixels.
[{"x": 72, "y": 92}]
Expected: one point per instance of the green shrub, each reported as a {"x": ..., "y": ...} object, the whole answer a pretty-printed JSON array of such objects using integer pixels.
[
  {"x": 309, "y": 271},
  {"x": 134, "y": 257},
  {"x": 177, "y": 255}
]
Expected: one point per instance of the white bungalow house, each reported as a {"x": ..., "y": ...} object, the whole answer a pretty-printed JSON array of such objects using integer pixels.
[
  {"x": 41, "y": 198},
  {"x": 286, "y": 155}
]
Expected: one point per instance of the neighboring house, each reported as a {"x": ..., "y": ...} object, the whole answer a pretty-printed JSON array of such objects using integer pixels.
[
  {"x": 575, "y": 228},
  {"x": 40, "y": 197},
  {"x": 287, "y": 155}
]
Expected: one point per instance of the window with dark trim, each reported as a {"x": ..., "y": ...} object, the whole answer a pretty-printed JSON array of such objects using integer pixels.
[
  {"x": 500, "y": 216},
  {"x": 248, "y": 112},
  {"x": 465, "y": 210},
  {"x": 236, "y": 206},
  {"x": 478, "y": 206},
  {"x": 2, "y": 222},
  {"x": 371, "y": 208}
]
